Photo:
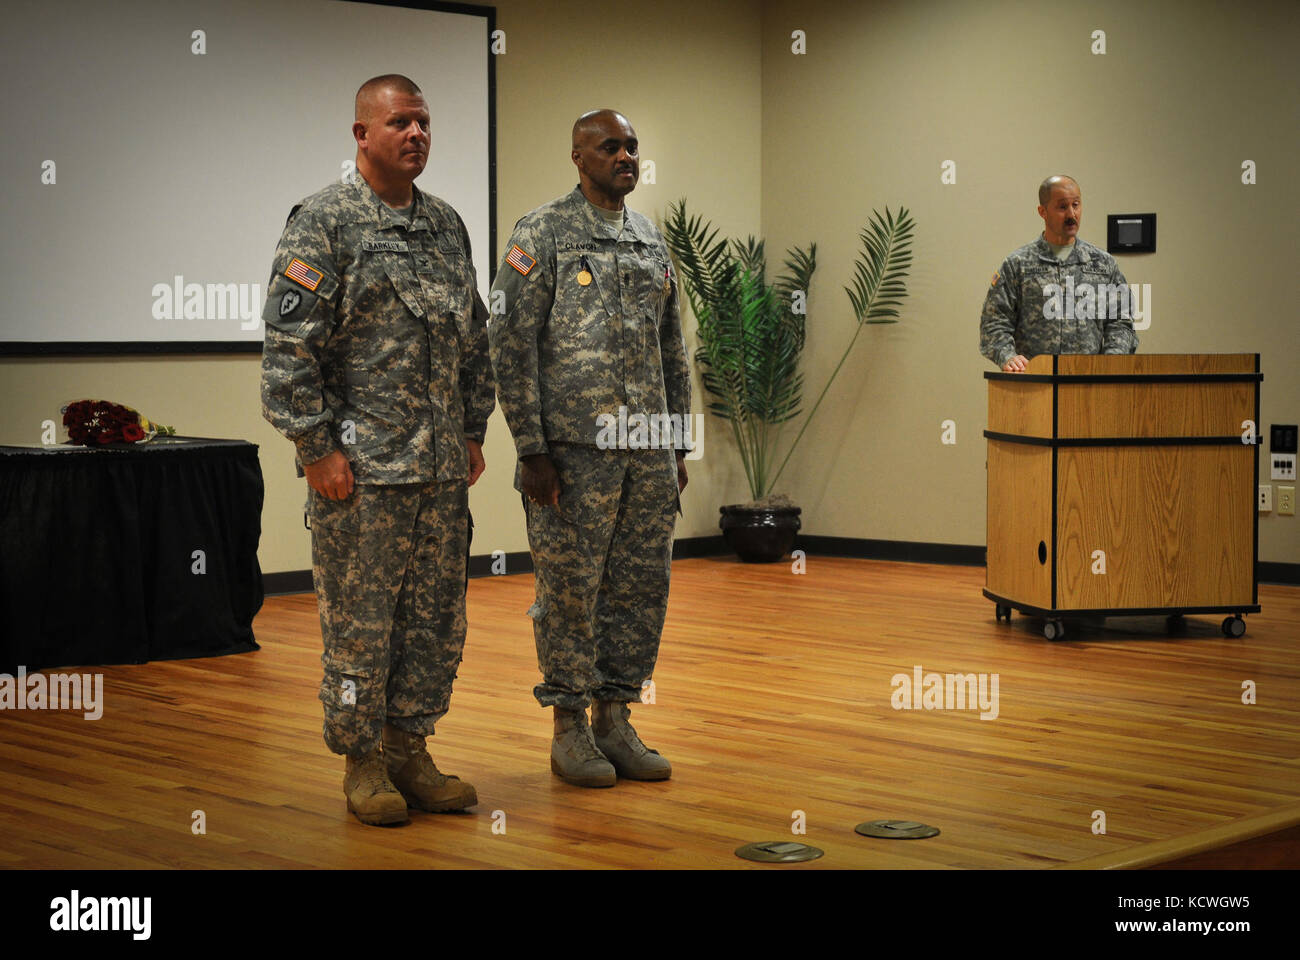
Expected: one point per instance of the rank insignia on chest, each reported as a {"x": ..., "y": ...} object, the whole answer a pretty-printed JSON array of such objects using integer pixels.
[
  {"x": 520, "y": 260},
  {"x": 304, "y": 274}
]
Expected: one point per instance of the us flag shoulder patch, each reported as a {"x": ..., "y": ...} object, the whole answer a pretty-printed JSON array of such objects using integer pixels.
[
  {"x": 304, "y": 274},
  {"x": 520, "y": 260}
]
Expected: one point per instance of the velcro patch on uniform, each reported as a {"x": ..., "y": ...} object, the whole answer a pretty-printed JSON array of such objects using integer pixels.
[
  {"x": 289, "y": 302},
  {"x": 304, "y": 274},
  {"x": 289, "y": 307},
  {"x": 520, "y": 260},
  {"x": 373, "y": 245}
]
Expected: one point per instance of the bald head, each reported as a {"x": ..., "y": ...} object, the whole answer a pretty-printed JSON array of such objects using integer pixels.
[
  {"x": 1061, "y": 207},
  {"x": 371, "y": 93},
  {"x": 605, "y": 153},
  {"x": 594, "y": 124},
  {"x": 392, "y": 133},
  {"x": 1045, "y": 188}
]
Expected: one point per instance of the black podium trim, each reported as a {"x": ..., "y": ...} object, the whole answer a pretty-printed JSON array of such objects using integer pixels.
[
  {"x": 1056, "y": 429},
  {"x": 1033, "y": 611},
  {"x": 1126, "y": 378},
  {"x": 1255, "y": 493},
  {"x": 1120, "y": 441}
]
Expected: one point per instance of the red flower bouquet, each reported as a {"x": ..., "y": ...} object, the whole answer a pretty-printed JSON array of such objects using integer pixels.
[{"x": 97, "y": 422}]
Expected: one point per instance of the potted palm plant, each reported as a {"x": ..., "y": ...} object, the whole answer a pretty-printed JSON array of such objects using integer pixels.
[{"x": 751, "y": 338}]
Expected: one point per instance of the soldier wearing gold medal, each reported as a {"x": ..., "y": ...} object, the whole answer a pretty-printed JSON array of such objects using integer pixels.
[{"x": 591, "y": 325}]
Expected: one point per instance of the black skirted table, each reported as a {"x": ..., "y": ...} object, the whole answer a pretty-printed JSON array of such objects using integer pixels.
[{"x": 127, "y": 554}]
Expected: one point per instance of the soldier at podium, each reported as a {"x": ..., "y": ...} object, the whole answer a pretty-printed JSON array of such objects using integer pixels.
[{"x": 1059, "y": 294}]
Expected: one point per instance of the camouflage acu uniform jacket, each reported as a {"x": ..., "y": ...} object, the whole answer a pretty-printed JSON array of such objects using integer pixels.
[
  {"x": 376, "y": 338},
  {"x": 567, "y": 351},
  {"x": 1038, "y": 304}
]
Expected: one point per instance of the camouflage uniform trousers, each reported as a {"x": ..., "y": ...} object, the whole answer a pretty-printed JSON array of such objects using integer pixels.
[
  {"x": 389, "y": 567},
  {"x": 602, "y": 559}
]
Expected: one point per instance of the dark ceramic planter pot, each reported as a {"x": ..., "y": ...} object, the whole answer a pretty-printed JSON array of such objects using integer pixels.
[{"x": 763, "y": 535}]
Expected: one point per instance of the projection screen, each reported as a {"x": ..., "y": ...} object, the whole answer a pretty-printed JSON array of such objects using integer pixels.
[{"x": 157, "y": 147}]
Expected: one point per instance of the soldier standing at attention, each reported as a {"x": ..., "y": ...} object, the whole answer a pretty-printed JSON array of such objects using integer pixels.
[
  {"x": 1031, "y": 306},
  {"x": 591, "y": 325},
  {"x": 375, "y": 365}
]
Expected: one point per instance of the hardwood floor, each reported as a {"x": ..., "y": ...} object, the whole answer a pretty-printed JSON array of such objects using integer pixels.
[{"x": 772, "y": 696}]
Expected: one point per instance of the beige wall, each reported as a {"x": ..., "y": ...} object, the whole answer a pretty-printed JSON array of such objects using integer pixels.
[
  {"x": 802, "y": 147},
  {"x": 1010, "y": 92}
]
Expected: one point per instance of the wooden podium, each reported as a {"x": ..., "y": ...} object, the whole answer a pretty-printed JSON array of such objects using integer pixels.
[{"x": 1132, "y": 465}]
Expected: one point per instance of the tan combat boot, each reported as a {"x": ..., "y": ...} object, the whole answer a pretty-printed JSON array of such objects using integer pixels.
[
  {"x": 616, "y": 739},
  {"x": 370, "y": 794},
  {"x": 574, "y": 757},
  {"x": 417, "y": 778}
]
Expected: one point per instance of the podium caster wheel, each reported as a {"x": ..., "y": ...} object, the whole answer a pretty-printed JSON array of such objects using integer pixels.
[
  {"x": 1001, "y": 611},
  {"x": 1054, "y": 630},
  {"x": 1234, "y": 627}
]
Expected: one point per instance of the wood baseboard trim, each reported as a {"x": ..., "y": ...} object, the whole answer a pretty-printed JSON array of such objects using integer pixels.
[{"x": 685, "y": 548}]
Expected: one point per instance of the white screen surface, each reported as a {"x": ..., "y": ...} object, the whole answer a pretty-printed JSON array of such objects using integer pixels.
[{"x": 139, "y": 160}]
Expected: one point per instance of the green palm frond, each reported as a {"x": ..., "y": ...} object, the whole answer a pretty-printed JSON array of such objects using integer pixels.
[
  {"x": 800, "y": 266},
  {"x": 752, "y": 334},
  {"x": 702, "y": 259},
  {"x": 877, "y": 292},
  {"x": 879, "y": 271},
  {"x": 770, "y": 353},
  {"x": 752, "y": 258}
]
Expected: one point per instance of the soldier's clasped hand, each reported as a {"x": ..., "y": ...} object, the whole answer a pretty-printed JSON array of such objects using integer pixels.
[
  {"x": 540, "y": 481},
  {"x": 330, "y": 476}
]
